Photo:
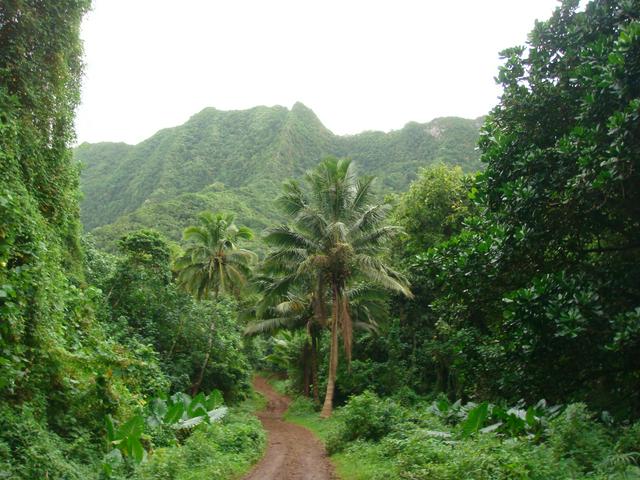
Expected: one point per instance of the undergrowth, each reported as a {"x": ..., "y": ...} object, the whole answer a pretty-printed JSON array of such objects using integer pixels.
[
  {"x": 213, "y": 451},
  {"x": 372, "y": 438}
]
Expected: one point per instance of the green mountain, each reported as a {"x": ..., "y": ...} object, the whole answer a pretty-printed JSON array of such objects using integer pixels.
[{"x": 236, "y": 160}]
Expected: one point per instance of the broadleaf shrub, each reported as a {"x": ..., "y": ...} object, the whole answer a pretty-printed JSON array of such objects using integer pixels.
[{"x": 365, "y": 417}]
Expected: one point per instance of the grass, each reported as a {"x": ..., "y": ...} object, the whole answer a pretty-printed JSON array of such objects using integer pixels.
[
  {"x": 363, "y": 461},
  {"x": 320, "y": 426},
  {"x": 278, "y": 383},
  {"x": 254, "y": 403}
]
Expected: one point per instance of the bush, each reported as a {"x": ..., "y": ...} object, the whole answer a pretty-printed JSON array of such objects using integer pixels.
[
  {"x": 424, "y": 454},
  {"x": 302, "y": 406},
  {"x": 29, "y": 451},
  {"x": 379, "y": 437},
  {"x": 364, "y": 417},
  {"x": 630, "y": 440}
]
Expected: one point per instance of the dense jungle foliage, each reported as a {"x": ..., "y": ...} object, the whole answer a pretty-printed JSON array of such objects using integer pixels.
[
  {"x": 87, "y": 339},
  {"x": 463, "y": 324}
]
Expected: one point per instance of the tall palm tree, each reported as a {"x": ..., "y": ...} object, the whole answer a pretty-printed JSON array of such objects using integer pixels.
[
  {"x": 335, "y": 237},
  {"x": 214, "y": 264}
]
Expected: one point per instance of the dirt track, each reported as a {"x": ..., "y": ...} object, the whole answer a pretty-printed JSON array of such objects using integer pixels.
[{"x": 293, "y": 452}]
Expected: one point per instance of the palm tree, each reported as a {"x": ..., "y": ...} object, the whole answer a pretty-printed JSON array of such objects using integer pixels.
[
  {"x": 335, "y": 238},
  {"x": 294, "y": 312},
  {"x": 214, "y": 264}
]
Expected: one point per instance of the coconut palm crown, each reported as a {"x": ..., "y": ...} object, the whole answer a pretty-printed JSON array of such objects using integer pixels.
[{"x": 213, "y": 263}]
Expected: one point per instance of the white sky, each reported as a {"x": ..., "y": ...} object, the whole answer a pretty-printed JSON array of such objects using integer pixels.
[{"x": 360, "y": 65}]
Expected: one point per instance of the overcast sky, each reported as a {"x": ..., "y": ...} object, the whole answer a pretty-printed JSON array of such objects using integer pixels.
[{"x": 360, "y": 65}]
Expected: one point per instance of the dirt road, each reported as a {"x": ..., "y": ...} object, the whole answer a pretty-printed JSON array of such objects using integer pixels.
[{"x": 293, "y": 452}]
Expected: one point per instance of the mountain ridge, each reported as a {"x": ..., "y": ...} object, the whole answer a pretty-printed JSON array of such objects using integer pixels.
[{"x": 244, "y": 153}]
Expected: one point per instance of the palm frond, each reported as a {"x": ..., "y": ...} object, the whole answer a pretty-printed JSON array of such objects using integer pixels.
[
  {"x": 292, "y": 199},
  {"x": 369, "y": 327},
  {"x": 269, "y": 325},
  {"x": 374, "y": 270},
  {"x": 363, "y": 192},
  {"x": 376, "y": 238},
  {"x": 284, "y": 236},
  {"x": 195, "y": 234},
  {"x": 370, "y": 218}
]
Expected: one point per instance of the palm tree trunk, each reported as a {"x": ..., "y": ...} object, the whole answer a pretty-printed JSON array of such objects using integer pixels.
[
  {"x": 327, "y": 408},
  {"x": 320, "y": 319},
  {"x": 196, "y": 385}
]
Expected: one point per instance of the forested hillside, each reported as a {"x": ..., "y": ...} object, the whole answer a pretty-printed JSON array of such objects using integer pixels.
[{"x": 235, "y": 160}]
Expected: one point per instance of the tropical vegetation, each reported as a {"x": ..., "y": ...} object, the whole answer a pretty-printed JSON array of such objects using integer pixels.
[{"x": 463, "y": 319}]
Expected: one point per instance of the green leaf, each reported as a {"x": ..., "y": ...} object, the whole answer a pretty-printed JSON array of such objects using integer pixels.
[
  {"x": 615, "y": 59},
  {"x": 159, "y": 407},
  {"x": 214, "y": 399},
  {"x": 133, "y": 428},
  {"x": 217, "y": 414},
  {"x": 531, "y": 417},
  {"x": 174, "y": 413},
  {"x": 137, "y": 452},
  {"x": 190, "y": 423},
  {"x": 108, "y": 421},
  {"x": 197, "y": 406},
  {"x": 475, "y": 419},
  {"x": 491, "y": 428}
]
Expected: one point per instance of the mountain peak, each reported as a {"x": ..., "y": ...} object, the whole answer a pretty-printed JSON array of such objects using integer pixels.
[
  {"x": 300, "y": 113},
  {"x": 299, "y": 106},
  {"x": 300, "y": 110}
]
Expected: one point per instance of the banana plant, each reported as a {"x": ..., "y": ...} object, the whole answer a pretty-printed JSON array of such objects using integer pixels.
[{"x": 125, "y": 441}]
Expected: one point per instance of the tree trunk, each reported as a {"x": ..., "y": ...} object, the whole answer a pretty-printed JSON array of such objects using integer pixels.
[
  {"x": 175, "y": 339},
  {"x": 196, "y": 385},
  {"x": 314, "y": 369},
  {"x": 306, "y": 381},
  {"x": 327, "y": 408}
]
